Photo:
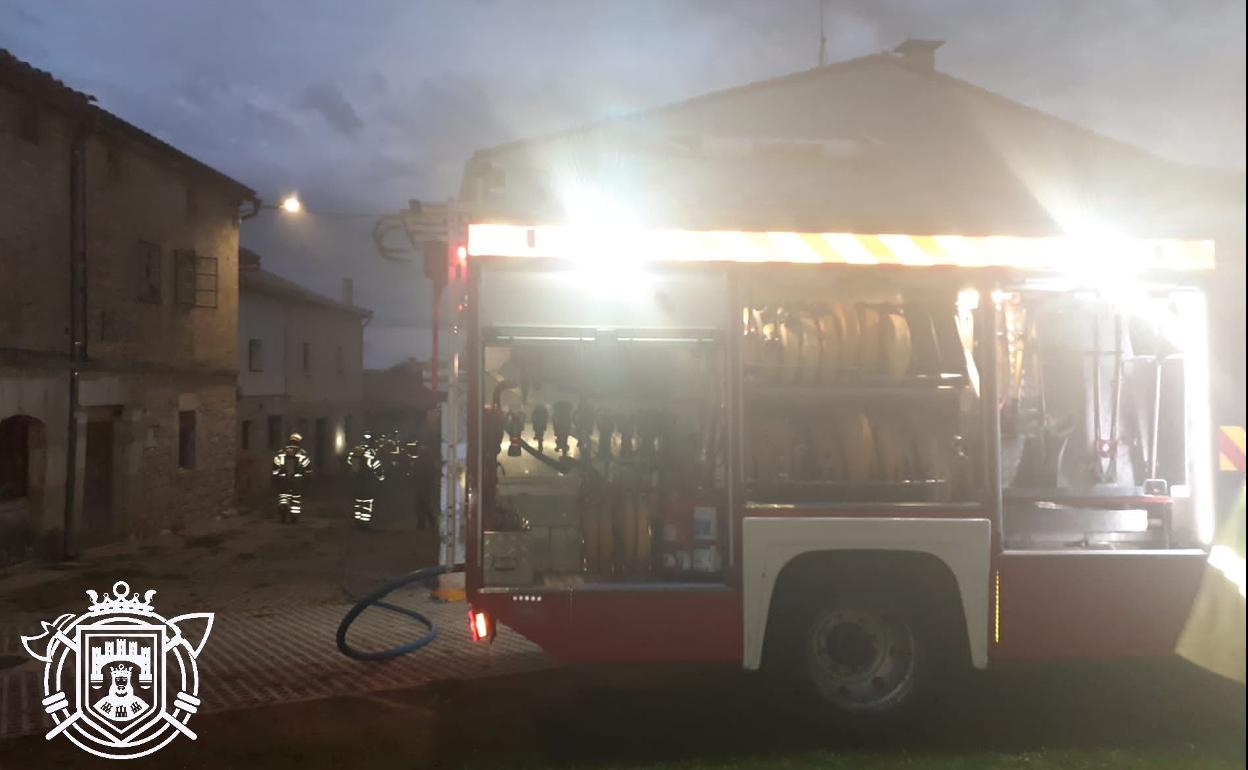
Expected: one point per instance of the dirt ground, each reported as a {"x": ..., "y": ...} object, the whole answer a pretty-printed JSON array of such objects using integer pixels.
[{"x": 240, "y": 563}]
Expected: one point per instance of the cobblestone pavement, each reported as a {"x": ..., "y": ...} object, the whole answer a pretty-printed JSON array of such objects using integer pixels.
[
  {"x": 278, "y": 594},
  {"x": 286, "y": 655}
]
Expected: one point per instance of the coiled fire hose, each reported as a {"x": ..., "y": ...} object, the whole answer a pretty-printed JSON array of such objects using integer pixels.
[{"x": 376, "y": 599}]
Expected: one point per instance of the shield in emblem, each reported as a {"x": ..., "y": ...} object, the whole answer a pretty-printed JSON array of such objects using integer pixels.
[
  {"x": 121, "y": 677},
  {"x": 105, "y": 673}
]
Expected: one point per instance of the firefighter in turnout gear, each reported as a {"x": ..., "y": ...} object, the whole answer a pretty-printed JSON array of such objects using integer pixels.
[
  {"x": 391, "y": 490},
  {"x": 367, "y": 474},
  {"x": 291, "y": 465}
]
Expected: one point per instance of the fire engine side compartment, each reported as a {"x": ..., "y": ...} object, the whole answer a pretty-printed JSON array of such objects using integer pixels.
[
  {"x": 624, "y": 623},
  {"x": 1099, "y": 604}
]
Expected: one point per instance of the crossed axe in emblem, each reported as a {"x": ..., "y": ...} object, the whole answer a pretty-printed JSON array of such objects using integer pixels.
[{"x": 44, "y": 646}]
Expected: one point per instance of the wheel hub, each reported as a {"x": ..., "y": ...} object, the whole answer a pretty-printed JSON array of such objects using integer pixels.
[
  {"x": 851, "y": 648},
  {"x": 862, "y": 660}
]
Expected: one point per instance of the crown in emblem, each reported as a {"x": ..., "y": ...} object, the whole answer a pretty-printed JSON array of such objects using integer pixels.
[{"x": 121, "y": 600}]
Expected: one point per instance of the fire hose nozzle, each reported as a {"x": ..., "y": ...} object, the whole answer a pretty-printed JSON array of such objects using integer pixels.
[{"x": 515, "y": 431}]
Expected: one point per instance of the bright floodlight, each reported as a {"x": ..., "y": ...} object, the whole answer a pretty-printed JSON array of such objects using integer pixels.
[{"x": 291, "y": 204}]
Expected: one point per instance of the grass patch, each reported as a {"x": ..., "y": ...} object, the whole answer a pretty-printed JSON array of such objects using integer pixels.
[{"x": 1058, "y": 759}]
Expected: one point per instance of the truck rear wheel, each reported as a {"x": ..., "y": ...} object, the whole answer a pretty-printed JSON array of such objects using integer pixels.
[{"x": 865, "y": 657}]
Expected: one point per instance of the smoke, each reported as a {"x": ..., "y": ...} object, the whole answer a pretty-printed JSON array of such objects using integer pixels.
[{"x": 363, "y": 106}]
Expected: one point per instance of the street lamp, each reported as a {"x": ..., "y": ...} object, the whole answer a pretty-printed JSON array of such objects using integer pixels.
[
  {"x": 290, "y": 205},
  {"x": 418, "y": 237}
]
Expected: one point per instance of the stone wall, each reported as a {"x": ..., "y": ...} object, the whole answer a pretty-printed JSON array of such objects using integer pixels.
[
  {"x": 136, "y": 201},
  {"x": 34, "y": 230},
  {"x": 151, "y": 491},
  {"x": 149, "y": 356}
]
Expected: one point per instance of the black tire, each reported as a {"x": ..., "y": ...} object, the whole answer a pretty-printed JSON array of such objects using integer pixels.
[{"x": 868, "y": 660}]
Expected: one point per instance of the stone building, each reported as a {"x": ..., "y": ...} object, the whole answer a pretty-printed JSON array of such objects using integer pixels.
[
  {"x": 118, "y": 323},
  {"x": 300, "y": 364}
]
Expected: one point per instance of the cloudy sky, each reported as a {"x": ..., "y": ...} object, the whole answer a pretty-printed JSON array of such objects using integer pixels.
[{"x": 362, "y": 105}]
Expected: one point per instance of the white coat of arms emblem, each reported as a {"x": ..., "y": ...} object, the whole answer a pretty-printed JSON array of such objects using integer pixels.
[{"x": 120, "y": 680}]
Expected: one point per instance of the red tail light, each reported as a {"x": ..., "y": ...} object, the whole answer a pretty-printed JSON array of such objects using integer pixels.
[{"x": 480, "y": 625}]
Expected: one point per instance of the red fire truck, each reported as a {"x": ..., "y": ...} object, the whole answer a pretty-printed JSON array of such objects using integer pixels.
[{"x": 864, "y": 459}]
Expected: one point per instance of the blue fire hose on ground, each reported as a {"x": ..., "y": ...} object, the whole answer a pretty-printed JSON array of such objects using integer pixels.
[{"x": 376, "y": 599}]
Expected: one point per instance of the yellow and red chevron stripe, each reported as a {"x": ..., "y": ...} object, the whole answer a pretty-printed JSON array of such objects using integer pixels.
[
  {"x": 1231, "y": 448},
  {"x": 1058, "y": 253}
]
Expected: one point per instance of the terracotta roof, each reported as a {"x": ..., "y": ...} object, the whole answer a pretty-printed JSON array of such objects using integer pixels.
[
  {"x": 256, "y": 280},
  {"x": 46, "y": 87},
  {"x": 40, "y": 83}
]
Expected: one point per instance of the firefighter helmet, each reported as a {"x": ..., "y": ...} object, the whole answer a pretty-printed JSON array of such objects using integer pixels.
[{"x": 295, "y": 438}]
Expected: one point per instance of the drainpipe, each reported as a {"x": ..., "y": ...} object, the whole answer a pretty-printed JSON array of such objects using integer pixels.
[{"x": 77, "y": 311}]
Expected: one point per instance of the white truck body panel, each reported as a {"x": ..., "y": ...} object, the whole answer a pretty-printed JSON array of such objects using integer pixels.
[{"x": 770, "y": 543}]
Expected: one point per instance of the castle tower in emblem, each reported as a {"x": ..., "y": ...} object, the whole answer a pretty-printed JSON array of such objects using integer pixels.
[{"x": 121, "y": 681}]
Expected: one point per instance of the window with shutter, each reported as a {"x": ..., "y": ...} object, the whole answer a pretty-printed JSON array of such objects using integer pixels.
[
  {"x": 196, "y": 279},
  {"x": 205, "y": 281},
  {"x": 255, "y": 355},
  {"x": 148, "y": 263},
  {"x": 185, "y": 276}
]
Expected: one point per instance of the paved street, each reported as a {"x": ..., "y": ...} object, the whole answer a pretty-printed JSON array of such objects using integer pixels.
[
  {"x": 278, "y": 694},
  {"x": 278, "y": 594}
]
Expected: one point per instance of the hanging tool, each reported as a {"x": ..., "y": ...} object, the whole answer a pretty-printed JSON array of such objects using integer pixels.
[
  {"x": 648, "y": 424},
  {"x": 606, "y": 431},
  {"x": 1105, "y": 449},
  {"x": 627, "y": 427},
  {"x": 562, "y": 421},
  {"x": 583, "y": 428},
  {"x": 540, "y": 419},
  {"x": 515, "y": 432}
]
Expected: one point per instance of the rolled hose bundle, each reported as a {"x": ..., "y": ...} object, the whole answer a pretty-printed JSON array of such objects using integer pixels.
[{"x": 374, "y": 599}]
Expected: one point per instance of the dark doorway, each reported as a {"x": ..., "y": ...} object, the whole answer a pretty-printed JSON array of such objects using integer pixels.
[
  {"x": 97, "y": 484},
  {"x": 22, "y": 454},
  {"x": 15, "y": 457}
]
